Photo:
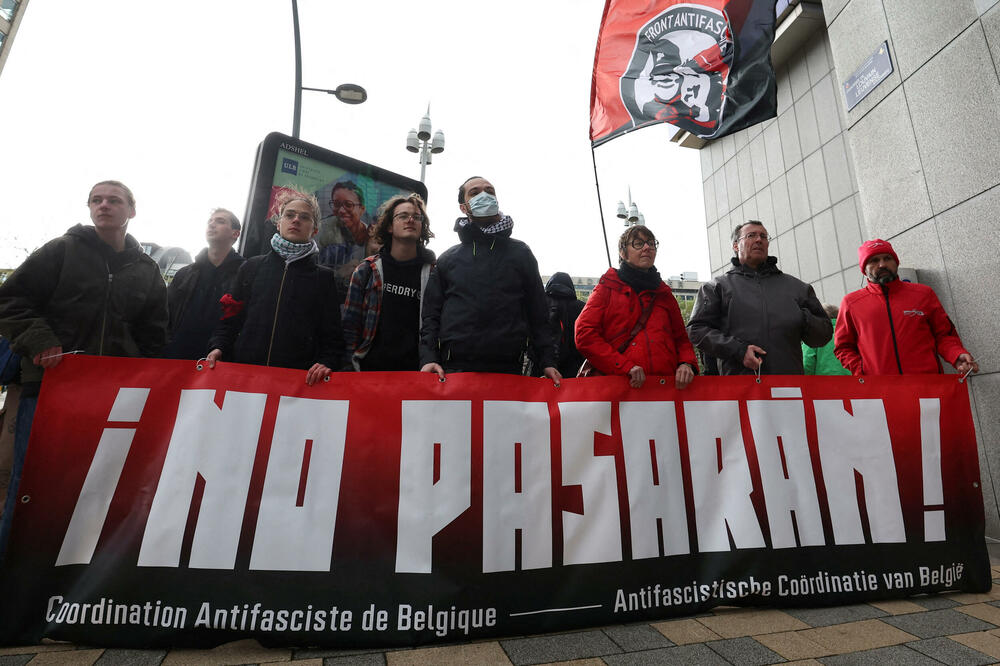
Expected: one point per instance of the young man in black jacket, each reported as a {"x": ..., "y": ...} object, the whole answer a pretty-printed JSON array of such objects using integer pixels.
[
  {"x": 284, "y": 309},
  {"x": 194, "y": 293},
  {"x": 93, "y": 290},
  {"x": 484, "y": 303}
]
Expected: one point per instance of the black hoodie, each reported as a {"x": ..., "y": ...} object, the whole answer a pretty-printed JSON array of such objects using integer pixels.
[{"x": 564, "y": 308}]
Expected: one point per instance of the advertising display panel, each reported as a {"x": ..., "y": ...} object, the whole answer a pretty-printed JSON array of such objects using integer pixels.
[{"x": 349, "y": 192}]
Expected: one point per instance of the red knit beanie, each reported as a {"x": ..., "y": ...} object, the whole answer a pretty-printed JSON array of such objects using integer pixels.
[{"x": 870, "y": 248}]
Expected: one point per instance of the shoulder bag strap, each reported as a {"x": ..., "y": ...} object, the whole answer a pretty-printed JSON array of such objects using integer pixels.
[{"x": 639, "y": 325}]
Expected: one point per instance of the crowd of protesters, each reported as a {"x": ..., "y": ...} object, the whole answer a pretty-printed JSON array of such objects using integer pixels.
[{"x": 479, "y": 307}]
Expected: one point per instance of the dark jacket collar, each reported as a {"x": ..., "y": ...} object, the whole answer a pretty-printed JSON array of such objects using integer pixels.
[
  {"x": 769, "y": 267},
  {"x": 305, "y": 263},
  {"x": 233, "y": 255},
  {"x": 88, "y": 234}
]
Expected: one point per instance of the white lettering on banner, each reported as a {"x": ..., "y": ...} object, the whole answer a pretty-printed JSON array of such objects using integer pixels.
[
  {"x": 517, "y": 485},
  {"x": 432, "y": 429},
  {"x": 594, "y": 536},
  {"x": 930, "y": 449},
  {"x": 720, "y": 477},
  {"x": 292, "y": 536},
  {"x": 653, "y": 475},
  {"x": 779, "y": 435},
  {"x": 296, "y": 522},
  {"x": 102, "y": 479},
  {"x": 858, "y": 441},
  {"x": 218, "y": 445}
]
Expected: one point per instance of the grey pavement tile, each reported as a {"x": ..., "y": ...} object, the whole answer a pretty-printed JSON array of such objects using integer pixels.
[
  {"x": 934, "y": 602},
  {"x": 16, "y": 659},
  {"x": 745, "y": 651},
  {"x": 685, "y": 655},
  {"x": 559, "y": 647},
  {"x": 323, "y": 653},
  {"x": 937, "y": 623},
  {"x": 951, "y": 652},
  {"x": 370, "y": 659},
  {"x": 888, "y": 656},
  {"x": 635, "y": 637},
  {"x": 824, "y": 617},
  {"x": 116, "y": 657}
]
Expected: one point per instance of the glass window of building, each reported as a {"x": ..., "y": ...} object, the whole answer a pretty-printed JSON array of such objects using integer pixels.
[
  {"x": 2, "y": 37},
  {"x": 7, "y": 9}
]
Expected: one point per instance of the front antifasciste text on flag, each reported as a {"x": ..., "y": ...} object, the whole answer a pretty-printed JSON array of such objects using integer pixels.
[{"x": 702, "y": 66}]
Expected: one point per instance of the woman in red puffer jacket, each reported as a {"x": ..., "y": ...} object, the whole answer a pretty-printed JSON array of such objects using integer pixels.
[{"x": 661, "y": 346}]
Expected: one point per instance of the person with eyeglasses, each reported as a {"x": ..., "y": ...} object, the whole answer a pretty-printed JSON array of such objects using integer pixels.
[
  {"x": 631, "y": 325},
  {"x": 754, "y": 318},
  {"x": 381, "y": 318},
  {"x": 344, "y": 233},
  {"x": 484, "y": 305},
  {"x": 283, "y": 308}
]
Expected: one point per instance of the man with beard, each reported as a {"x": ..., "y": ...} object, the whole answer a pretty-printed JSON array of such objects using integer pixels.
[
  {"x": 753, "y": 318},
  {"x": 893, "y": 327},
  {"x": 484, "y": 304}
]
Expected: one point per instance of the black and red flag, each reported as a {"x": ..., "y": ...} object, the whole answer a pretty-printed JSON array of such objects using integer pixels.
[{"x": 703, "y": 66}]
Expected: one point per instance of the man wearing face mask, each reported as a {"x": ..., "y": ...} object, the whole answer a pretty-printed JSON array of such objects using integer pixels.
[
  {"x": 484, "y": 304},
  {"x": 893, "y": 327}
]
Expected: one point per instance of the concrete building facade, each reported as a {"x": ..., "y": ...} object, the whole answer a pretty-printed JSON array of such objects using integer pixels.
[
  {"x": 11, "y": 12},
  {"x": 916, "y": 162}
]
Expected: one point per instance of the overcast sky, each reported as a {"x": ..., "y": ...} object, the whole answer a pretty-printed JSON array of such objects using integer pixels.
[{"x": 172, "y": 99}]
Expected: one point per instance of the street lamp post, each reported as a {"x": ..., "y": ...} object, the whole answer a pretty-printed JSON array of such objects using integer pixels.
[
  {"x": 348, "y": 93},
  {"x": 631, "y": 216},
  {"x": 420, "y": 141}
]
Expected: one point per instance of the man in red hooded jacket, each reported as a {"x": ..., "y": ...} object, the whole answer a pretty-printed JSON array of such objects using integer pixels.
[{"x": 893, "y": 327}]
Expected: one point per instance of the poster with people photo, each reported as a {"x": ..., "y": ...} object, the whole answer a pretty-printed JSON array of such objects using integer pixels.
[{"x": 349, "y": 192}]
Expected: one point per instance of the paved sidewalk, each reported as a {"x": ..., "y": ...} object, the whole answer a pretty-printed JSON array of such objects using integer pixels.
[
  {"x": 945, "y": 629},
  {"x": 942, "y": 629}
]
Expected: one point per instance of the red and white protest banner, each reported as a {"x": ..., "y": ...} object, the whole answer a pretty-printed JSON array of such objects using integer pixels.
[{"x": 164, "y": 505}]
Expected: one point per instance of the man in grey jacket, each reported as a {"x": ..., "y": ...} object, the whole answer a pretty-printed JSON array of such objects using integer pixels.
[{"x": 753, "y": 318}]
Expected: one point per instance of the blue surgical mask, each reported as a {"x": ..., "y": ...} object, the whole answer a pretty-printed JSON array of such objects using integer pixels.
[{"x": 483, "y": 204}]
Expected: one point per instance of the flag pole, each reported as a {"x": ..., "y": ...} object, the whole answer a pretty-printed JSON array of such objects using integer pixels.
[{"x": 600, "y": 206}]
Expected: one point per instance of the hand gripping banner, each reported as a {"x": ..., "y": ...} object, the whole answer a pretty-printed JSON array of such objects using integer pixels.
[
  {"x": 167, "y": 506},
  {"x": 704, "y": 67}
]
